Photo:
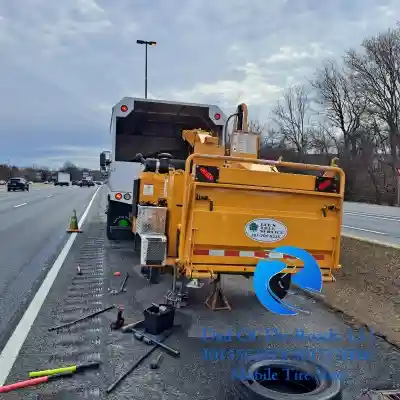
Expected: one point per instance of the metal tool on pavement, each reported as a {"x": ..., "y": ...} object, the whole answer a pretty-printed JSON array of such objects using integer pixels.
[
  {"x": 122, "y": 288},
  {"x": 135, "y": 365},
  {"x": 71, "y": 368},
  {"x": 54, "y": 328},
  {"x": 149, "y": 340},
  {"x": 129, "y": 327},
  {"x": 157, "y": 362}
]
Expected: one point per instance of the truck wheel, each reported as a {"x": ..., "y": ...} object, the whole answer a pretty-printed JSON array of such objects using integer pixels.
[
  {"x": 280, "y": 285},
  {"x": 136, "y": 243},
  {"x": 116, "y": 218},
  {"x": 286, "y": 379},
  {"x": 110, "y": 233}
]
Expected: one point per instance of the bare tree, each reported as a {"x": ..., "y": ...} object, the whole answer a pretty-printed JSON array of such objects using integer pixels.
[
  {"x": 323, "y": 140},
  {"x": 376, "y": 73},
  {"x": 343, "y": 104},
  {"x": 255, "y": 126},
  {"x": 292, "y": 117}
]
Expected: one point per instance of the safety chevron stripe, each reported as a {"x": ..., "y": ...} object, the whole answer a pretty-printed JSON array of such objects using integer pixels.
[{"x": 254, "y": 254}]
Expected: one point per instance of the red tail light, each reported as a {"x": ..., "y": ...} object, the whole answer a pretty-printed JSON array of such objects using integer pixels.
[{"x": 325, "y": 184}]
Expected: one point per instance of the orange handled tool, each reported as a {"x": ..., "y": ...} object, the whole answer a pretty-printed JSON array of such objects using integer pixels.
[{"x": 33, "y": 382}]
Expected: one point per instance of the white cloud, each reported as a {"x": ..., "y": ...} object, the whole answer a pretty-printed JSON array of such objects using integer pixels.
[
  {"x": 252, "y": 88},
  {"x": 289, "y": 54},
  {"x": 65, "y": 63}
]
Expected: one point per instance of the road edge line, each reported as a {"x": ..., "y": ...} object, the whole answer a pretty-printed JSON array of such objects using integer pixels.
[
  {"x": 371, "y": 241},
  {"x": 15, "y": 342}
]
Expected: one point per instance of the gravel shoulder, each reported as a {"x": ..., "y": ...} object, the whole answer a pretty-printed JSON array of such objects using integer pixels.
[{"x": 367, "y": 288}]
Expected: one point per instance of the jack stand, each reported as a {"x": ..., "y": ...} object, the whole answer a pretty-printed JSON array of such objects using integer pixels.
[{"x": 217, "y": 297}]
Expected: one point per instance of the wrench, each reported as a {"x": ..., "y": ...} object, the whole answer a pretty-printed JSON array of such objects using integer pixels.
[{"x": 122, "y": 288}]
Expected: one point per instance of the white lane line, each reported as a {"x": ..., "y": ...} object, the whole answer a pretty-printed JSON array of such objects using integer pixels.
[
  {"x": 389, "y": 218},
  {"x": 20, "y": 205},
  {"x": 17, "y": 339},
  {"x": 364, "y": 230}
]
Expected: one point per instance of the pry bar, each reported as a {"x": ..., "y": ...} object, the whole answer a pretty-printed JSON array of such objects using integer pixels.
[
  {"x": 122, "y": 288},
  {"x": 54, "y": 328},
  {"x": 134, "y": 366}
]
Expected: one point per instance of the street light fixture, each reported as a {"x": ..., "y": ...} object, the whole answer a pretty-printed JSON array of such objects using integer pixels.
[{"x": 146, "y": 43}]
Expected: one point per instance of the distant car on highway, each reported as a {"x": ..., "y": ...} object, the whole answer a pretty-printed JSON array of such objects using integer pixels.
[
  {"x": 14, "y": 184},
  {"x": 99, "y": 183},
  {"x": 74, "y": 183},
  {"x": 86, "y": 182},
  {"x": 45, "y": 182},
  {"x": 3, "y": 182}
]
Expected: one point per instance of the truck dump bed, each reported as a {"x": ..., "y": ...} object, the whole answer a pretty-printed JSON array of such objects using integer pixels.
[
  {"x": 150, "y": 126},
  {"x": 237, "y": 216}
]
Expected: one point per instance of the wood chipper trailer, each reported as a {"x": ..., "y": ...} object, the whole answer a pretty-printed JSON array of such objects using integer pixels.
[{"x": 223, "y": 208}]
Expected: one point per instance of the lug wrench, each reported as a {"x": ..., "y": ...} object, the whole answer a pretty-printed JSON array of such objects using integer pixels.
[
  {"x": 140, "y": 336},
  {"x": 134, "y": 366},
  {"x": 122, "y": 288}
]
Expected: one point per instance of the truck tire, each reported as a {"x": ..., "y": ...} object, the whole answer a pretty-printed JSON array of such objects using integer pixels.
[
  {"x": 117, "y": 215},
  {"x": 318, "y": 383},
  {"x": 280, "y": 285},
  {"x": 110, "y": 233}
]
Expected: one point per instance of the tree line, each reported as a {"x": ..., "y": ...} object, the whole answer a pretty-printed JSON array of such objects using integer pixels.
[
  {"x": 349, "y": 109},
  {"x": 41, "y": 174}
]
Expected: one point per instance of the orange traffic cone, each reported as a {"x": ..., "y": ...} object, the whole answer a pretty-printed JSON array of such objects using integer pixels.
[{"x": 73, "y": 224}]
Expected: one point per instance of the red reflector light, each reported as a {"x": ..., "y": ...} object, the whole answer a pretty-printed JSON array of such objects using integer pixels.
[
  {"x": 324, "y": 185},
  {"x": 118, "y": 196},
  {"x": 124, "y": 108},
  {"x": 206, "y": 174},
  {"x": 217, "y": 116}
]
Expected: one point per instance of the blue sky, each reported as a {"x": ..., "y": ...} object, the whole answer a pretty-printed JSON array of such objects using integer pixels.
[{"x": 64, "y": 64}]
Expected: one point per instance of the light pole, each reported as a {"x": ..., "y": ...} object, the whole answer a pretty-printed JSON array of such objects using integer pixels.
[{"x": 146, "y": 43}]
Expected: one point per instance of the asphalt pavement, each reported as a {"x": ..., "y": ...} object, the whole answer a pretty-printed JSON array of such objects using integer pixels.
[
  {"x": 32, "y": 231},
  {"x": 207, "y": 367},
  {"x": 373, "y": 222}
]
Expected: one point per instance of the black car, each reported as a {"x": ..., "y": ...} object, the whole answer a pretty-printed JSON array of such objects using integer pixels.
[
  {"x": 86, "y": 182},
  {"x": 17, "y": 184}
]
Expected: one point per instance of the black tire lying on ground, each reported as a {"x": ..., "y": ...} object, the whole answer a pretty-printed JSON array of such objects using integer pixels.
[{"x": 287, "y": 380}]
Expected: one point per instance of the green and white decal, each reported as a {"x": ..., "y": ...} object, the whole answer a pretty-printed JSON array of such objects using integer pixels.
[{"x": 265, "y": 230}]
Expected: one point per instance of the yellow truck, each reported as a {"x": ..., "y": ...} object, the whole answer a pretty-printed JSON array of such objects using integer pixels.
[{"x": 221, "y": 209}]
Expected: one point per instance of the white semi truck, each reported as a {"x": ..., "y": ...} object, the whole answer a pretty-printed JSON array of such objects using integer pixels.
[
  {"x": 148, "y": 127},
  {"x": 63, "y": 179}
]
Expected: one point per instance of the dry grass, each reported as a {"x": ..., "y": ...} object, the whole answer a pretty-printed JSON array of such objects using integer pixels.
[{"x": 368, "y": 286}]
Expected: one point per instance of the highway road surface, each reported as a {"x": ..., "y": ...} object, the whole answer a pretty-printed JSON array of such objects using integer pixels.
[
  {"x": 32, "y": 231},
  {"x": 374, "y": 222}
]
